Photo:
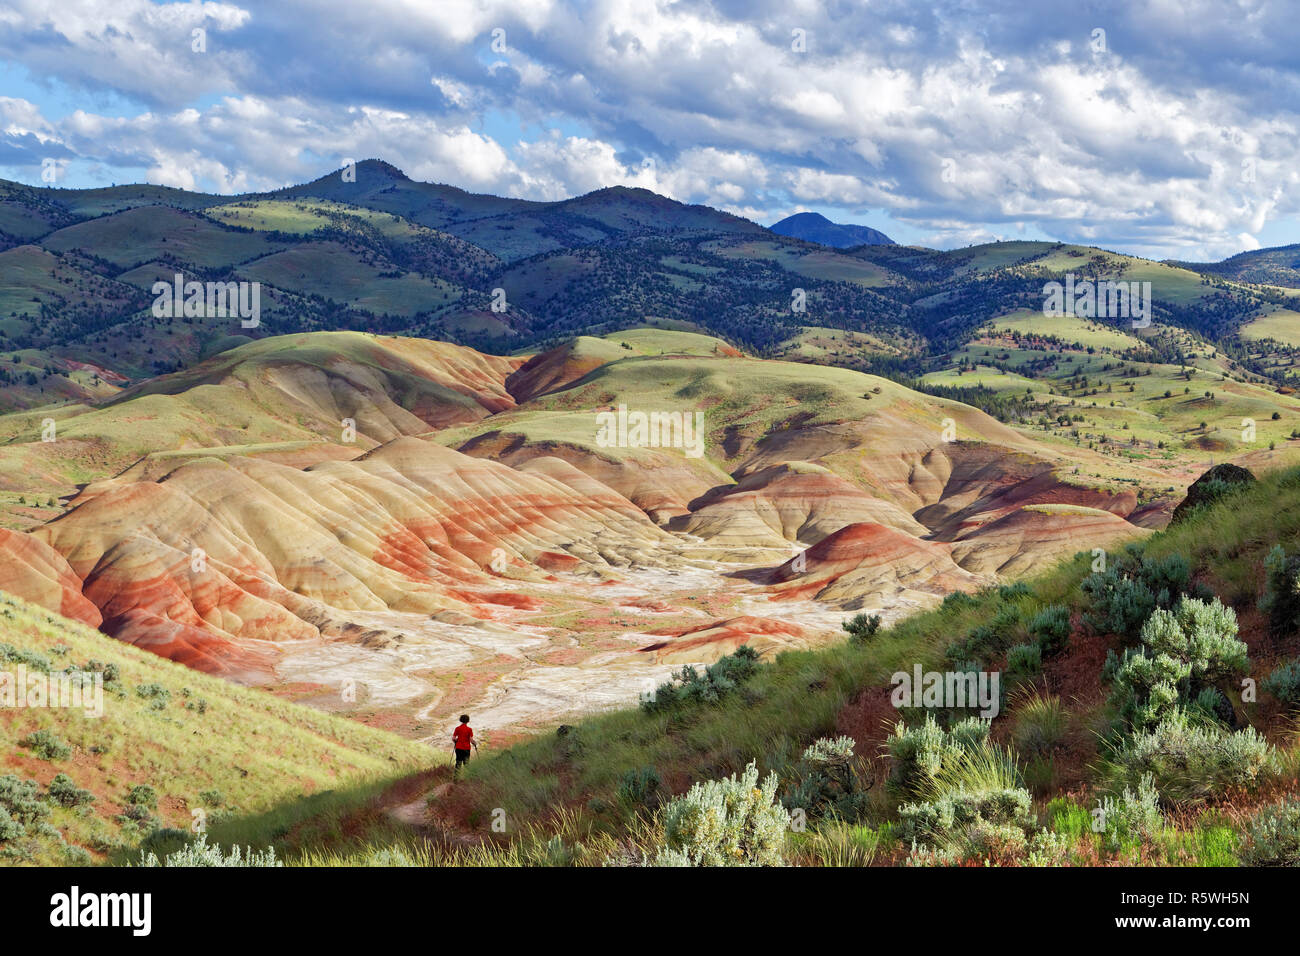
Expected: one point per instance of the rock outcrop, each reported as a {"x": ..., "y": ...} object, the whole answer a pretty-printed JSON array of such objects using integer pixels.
[{"x": 1211, "y": 486}]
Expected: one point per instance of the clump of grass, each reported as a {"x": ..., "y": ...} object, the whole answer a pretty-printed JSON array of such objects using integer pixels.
[
  {"x": 838, "y": 843},
  {"x": 568, "y": 837},
  {"x": 1041, "y": 724},
  {"x": 640, "y": 788}
]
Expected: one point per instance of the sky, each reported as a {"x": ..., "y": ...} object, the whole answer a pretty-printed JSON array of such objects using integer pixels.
[{"x": 1165, "y": 128}]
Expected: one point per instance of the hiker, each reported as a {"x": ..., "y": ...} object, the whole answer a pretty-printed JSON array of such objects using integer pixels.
[{"x": 461, "y": 740}]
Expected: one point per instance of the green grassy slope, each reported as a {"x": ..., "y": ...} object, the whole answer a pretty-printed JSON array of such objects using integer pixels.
[
  {"x": 200, "y": 742},
  {"x": 147, "y": 233},
  {"x": 1121, "y": 391}
]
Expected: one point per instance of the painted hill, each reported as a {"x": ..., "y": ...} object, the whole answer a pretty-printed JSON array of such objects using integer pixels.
[
  {"x": 814, "y": 227},
  {"x": 866, "y": 565},
  {"x": 299, "y": 399},
  {"x": 288, "y": 554},
  {"x": 221, "y": 516}
]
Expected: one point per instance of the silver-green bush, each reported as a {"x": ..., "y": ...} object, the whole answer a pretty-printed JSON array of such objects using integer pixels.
[
  {"x": 1191, "y": 762},
  {"x": 1132, "y": 817},
  {"x": 203, "y": 853},
  {"x": 729, "y": 822},
  {"x": 1273, "y": 836}
]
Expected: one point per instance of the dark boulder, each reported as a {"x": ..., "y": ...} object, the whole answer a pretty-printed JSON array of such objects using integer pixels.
[{"x": 1210, "y": 487}]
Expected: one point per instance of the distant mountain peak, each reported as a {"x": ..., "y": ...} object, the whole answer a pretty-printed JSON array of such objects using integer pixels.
[
  {"x": 382, "y": 167},
  {"x": 814, "y": 227}
]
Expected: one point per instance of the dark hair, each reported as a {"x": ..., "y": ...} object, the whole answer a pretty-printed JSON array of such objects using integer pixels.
[{"x": 464, "y": 718}]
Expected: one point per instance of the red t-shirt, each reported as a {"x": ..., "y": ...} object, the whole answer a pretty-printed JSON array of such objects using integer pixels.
[{"x": 462, "y": 736}]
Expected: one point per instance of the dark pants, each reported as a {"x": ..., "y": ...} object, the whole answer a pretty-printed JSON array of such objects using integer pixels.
[{"x": 462, "y": 757}]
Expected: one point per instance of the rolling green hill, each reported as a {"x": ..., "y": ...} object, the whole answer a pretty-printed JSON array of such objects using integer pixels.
[{"x": 384, "y": 253}]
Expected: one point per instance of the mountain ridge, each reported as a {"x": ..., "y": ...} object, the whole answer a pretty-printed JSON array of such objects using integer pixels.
[{"x": 814, "y": 227}]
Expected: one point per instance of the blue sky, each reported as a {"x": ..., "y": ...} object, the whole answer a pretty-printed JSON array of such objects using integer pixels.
[{"x": 1167, "y": 129}]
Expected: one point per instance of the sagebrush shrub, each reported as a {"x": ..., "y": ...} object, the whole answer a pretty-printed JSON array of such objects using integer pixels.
[
  {"x": 829, "y": 781},
  {"x": 1119, "y": 605},
  {"x": 1210, "y": 704},
  {"x": 1168, "y": 578},
  {"x": 110, "y": 671},
  {"x": 1190, "y": 763},
  {"x": 1273, "y": 836},
  {"x": 920, "y": 752},
  {"x": 862, "y": 628},
  {"x": 10, "y": 829},
  {"x": 956, "y": 601},
  {"x": 1132, "y": 817},
  {"x": 1281, "y": 597},
  {"x": 202, "y": 853},
  {"x": 1125, "y": 595},
  {"x": 947, "y": 815},
  {"x": 1050, "y": 627},
  {"x": 46, "y": 744},
  {"x": 76, "y": 856},
  {"x": 729, "y": 822},
  {"x": 716, "y": 682},
  {"x": 1183, "y": 652},
  {"x": 30, "y": 659},
  {"x": 987, "y": 641},
  {"x": 1024, "y": 662},
  {"x": 1284, "y": 682},
  {"x": 142, "y": 795},
  {"x": 1010, "y": 592},
  {"x": 64, "y": 792},
  {"x": 22, "y": 799},
  {"x": 973, "y": 807}
]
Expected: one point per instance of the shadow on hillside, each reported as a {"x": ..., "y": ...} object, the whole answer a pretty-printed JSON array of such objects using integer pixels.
[{"x": 330, "y": 820}]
